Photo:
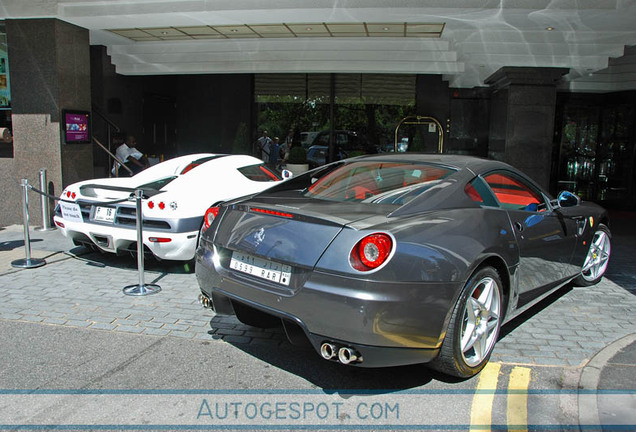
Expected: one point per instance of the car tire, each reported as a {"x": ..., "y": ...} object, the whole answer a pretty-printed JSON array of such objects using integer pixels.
[
  {"x": 474, "y": 326},
  {"x": 597, "y": 258}
]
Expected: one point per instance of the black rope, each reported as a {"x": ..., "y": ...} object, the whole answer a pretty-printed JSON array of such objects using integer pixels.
[{"x": 104, "y": 203}]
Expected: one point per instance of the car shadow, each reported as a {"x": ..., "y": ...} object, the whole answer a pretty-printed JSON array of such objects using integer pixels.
[
  {"x": 129, "y": 262},
  {"x": 303, "y": 361},
  {"x": 511, "y": 325},
  {"x": 333, "y": 377}
]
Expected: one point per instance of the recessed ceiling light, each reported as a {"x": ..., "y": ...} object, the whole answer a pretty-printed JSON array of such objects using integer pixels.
[
  {"x": 309, "y": 29},
  {"x": 386, "y": 29},
  {"x": 549, "y": 28},
  {"x": 164, "y": 33},
  {"x": 234, "y": 31}
]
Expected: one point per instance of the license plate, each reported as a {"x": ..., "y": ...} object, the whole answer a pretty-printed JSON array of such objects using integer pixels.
[
  {"x": 105, "y": 214},
  {"x": 262, "y": 268}
]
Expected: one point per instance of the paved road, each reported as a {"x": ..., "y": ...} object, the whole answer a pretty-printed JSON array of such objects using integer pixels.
[{"x": 73, "y": 344}]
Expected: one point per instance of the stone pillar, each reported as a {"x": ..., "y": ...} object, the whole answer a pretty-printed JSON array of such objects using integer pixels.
[
  {"x": 50, "y": 71},
  {"x": 522, "y": 118},
  {"x": 432, "y": 100}
]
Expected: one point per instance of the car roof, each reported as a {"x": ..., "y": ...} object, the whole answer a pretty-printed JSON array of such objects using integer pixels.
[{"x": 475, "y": 164}]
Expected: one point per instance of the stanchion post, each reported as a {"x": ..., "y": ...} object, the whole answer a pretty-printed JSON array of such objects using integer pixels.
[
  {"x": 28, "y": 262},
  {"x": 142, "y": 288},
  {"x": 46, "y": 210}
]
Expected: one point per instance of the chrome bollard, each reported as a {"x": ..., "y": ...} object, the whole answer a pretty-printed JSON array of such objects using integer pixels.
[
  {"x": 46, "y": 209},
  {"x": 142, "y": 288},
  {"x": 28, "y": 262}
]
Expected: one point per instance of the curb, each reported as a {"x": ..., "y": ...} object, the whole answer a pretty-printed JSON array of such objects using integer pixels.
[{"x": 590, "y": 377}]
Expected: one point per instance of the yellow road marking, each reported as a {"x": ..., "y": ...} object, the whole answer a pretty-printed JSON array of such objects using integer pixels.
[
  {"x": 481, "y": 410},
  {"x": 518, "y": 399}
]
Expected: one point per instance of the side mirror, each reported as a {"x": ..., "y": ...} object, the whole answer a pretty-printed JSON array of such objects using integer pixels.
[{"x": 568, "y": 199}]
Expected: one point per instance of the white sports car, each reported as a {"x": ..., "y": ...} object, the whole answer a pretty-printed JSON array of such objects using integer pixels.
[{"x": 101, "y": 213}]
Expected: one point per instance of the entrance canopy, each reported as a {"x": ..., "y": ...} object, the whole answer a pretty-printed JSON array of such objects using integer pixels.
[{"x": 465, "y": 41}]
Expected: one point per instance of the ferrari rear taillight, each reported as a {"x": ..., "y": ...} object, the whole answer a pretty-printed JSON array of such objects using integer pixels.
[
  {"x": 70, "y": 194},
  {"x": 371, "y": 252},
  {"x": 209, "y": 216}
]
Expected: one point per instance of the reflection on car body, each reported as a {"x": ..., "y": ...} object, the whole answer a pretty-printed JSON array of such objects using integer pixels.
[{"x": 401, "y": 258}]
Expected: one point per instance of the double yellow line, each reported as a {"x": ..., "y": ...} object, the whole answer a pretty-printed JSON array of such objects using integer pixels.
[{"x": 517, "y": 406}]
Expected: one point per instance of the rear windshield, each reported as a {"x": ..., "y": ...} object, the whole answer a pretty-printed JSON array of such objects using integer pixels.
[
  {"x": 378, "y": 182},
  {"x": 157, "y": 184},
  {"x": 260, "y": 173}
]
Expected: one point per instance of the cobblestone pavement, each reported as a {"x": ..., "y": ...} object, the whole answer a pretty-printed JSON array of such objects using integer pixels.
[{"x": 81, "y": 289}]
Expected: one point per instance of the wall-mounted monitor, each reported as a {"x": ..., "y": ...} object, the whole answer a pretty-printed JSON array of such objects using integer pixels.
[{"x": 77, "y": 126}]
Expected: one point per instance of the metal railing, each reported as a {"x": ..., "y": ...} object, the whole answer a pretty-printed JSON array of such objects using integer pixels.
[{"x": 111, "y": 127}]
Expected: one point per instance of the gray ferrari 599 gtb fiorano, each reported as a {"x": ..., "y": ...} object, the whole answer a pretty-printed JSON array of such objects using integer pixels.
[{"x": 396, "y": 259}]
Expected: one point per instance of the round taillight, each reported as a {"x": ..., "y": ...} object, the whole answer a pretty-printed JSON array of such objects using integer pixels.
[
  {"x": 209, "y": 216},
  {"x": 73, "y": 195},
  {"x": 68, "y": 194},
  {"x": 371, "y": 252},
  {"x": 162, "y": 205},
  {"x": 151, "y": 205}
]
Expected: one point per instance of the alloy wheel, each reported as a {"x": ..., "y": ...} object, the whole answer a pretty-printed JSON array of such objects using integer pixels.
[
  {"x": 480, "y": 323},
  {"x": 597, "y": 257}
]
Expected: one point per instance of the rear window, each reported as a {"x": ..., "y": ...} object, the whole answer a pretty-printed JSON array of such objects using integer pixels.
[
  {"x": 378, "y": 182},
  {"x": 157, "y": 184},
  {"x": 260, "y": 173}
]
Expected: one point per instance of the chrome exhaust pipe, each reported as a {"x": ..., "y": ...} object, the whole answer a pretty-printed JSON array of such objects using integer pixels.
[
  {"x": 348, "y": 355},
  {"x": 328, "y": 351},
  {"x": 205, "y": 301}
]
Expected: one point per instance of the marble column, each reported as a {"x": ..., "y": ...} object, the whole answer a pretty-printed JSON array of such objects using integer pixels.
[
  {"x": 50, "y": 71},
  {"x": 523, "y": 108}
]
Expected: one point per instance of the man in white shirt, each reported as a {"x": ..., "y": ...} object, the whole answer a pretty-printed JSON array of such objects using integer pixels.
[
  {"x": 131, "y": 157},
  {"x": 263, "y": 146}
]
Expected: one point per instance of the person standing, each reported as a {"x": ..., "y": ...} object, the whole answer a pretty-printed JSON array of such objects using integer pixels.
[
  {"x": 286, "y": 147},
  {"x": 263, "y": 147},
  {"x": 274, "y": 153}
]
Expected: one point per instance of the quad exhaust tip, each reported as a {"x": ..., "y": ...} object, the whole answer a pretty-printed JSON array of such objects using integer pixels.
[
  {"x": 328, "y": 351},
  {"x": 344, "y": 355},
  {"x": 205, "y": 301}
]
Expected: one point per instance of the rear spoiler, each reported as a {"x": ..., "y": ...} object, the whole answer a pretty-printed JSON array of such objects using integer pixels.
[{"x": 147, "y": 192}]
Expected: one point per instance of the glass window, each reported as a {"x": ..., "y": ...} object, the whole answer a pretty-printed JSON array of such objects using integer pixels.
[
  {"x": 6, "y": 129},
  {"x": 259, "y": 173},
  {"x": 378, "y": 182},
  {"x": 514, "y": 193}
]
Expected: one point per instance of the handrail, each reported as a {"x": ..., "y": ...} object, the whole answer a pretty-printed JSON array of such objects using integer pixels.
[
  {"x": 106, "y": 119},
  {"x": 110, "y": 126},
  {"x": 112, "y": 155}
]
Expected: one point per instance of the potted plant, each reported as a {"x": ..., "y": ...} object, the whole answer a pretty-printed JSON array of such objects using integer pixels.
[{"x": 297, "y": 162}]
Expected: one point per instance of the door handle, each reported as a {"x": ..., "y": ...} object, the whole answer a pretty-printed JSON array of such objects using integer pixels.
[{"x": 519, "y": 226}]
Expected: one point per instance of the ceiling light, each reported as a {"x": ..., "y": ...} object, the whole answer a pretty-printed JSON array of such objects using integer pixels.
[
  {"x": 386, "y": 29},
  {"x": 164, "y": 33},
  {"x": 309, "y": 29},
  {"x": 549, "y": 28},
  {"x": 234, "y": 31}
]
